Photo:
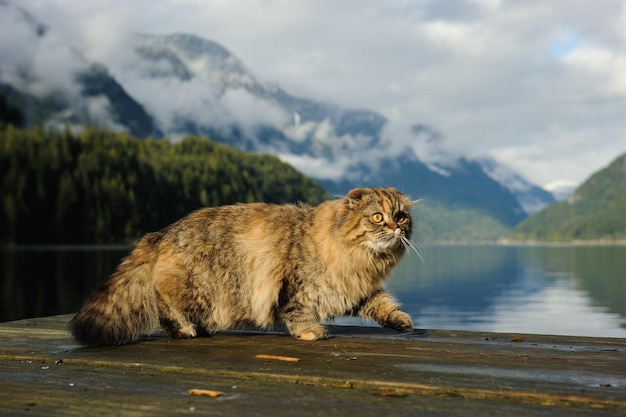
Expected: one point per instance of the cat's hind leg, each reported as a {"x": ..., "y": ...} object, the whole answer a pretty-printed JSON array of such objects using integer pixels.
[
  {"x": 174, "y": 321},
  {"x": 171, "y": 289}
]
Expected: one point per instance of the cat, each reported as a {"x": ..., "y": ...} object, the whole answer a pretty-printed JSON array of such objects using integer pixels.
[{"x": 256, "y": 264}]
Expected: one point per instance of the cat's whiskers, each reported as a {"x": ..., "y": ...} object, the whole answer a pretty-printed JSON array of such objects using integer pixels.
[{"x": 412, "y": 245}]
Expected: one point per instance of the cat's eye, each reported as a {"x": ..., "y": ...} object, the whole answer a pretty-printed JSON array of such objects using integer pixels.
[
  {"x": 377, "y": 217},
  {"x": 400, "y": 217}
]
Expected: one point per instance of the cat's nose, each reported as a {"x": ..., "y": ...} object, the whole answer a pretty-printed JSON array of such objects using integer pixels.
[{"x": 397, "y": 231}]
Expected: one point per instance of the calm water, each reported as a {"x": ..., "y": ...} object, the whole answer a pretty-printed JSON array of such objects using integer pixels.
[{"x": 569, "y": 290}]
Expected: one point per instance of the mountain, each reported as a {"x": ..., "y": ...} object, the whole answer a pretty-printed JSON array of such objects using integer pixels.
[
  {"x": 97, "y": 84},
  {"x": 462, "y": 185},
  {"x": 181, "y": 84},
  {"x": 341, "y": 148},
  {"x": 53, "y": 83},
  {"x": 596, "y": 210},
  {"x": 221, "y": 99}
]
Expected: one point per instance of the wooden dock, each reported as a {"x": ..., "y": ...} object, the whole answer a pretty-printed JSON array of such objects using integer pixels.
[{"x": 358, "y": 372}]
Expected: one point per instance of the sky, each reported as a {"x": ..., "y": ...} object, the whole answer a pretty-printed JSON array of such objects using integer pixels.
[{"x": 538, "y": 85}]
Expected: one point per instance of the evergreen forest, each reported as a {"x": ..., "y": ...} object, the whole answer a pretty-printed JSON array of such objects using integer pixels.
[
  {"x": 596, "y": 211},
  {"x": 103, "y": 187}
]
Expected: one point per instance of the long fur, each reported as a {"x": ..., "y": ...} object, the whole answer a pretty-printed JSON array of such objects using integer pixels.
[{"x": 223, "y": 267}]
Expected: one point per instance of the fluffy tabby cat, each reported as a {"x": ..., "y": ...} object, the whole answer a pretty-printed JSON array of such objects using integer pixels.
[{"x": 257, "y": 264}]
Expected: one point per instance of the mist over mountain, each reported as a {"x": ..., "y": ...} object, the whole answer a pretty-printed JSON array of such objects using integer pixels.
[
  {"x": 53, "y": 83},
  {"x": 181, "y": 84},
  {"x": 213, "y": 94}
]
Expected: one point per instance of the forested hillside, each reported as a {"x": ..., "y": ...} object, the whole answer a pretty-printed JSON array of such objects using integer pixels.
[
  {"x": 99, "y": 186},
  {"x": 596, "y": 210}
]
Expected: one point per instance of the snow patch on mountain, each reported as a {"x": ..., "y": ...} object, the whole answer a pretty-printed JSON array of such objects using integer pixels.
[
  {"x": 531, "y": 197},
  {"x": 561, "y": 190},
  {"x": 437, "y": 169}
]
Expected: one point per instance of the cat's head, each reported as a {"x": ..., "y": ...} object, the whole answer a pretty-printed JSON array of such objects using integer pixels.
[{"x": 378, "y": 218}]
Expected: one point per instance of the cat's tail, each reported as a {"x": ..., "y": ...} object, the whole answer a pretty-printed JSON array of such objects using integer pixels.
[{"x": 124, "y": 305}]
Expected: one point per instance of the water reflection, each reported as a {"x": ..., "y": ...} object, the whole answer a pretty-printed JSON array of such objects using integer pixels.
[
  {"x": 51, "y": 280},
  {"x": 531, "y": 289},
  {"x": 571, "y": 290}
]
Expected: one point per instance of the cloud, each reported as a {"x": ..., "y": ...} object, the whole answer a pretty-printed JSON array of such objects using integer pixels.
[
  {"x": 319, "y": 167},
  {"x": 34, "y": 59},
  {"x": 514, "y": 80},
  {"x": 252, "y": 111},
  {"x": 617, "y": 77},
  {"x": 167, "y": 99},
  {"x": 98, "y": 109}
]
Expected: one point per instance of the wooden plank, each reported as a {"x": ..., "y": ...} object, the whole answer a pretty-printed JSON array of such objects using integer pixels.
[{"x": 366, "y": 370}]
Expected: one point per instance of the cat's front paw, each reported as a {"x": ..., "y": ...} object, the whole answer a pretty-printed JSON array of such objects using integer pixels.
[
  {"x": 313, "y": 333},
  {"x": 400, "y": 321}
]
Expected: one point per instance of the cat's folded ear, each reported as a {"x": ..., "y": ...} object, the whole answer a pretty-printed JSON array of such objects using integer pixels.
[{"x": 354, "y": 196}]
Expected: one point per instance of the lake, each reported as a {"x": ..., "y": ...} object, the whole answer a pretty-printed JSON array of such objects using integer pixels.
[{"x": 542, "y": 289}]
